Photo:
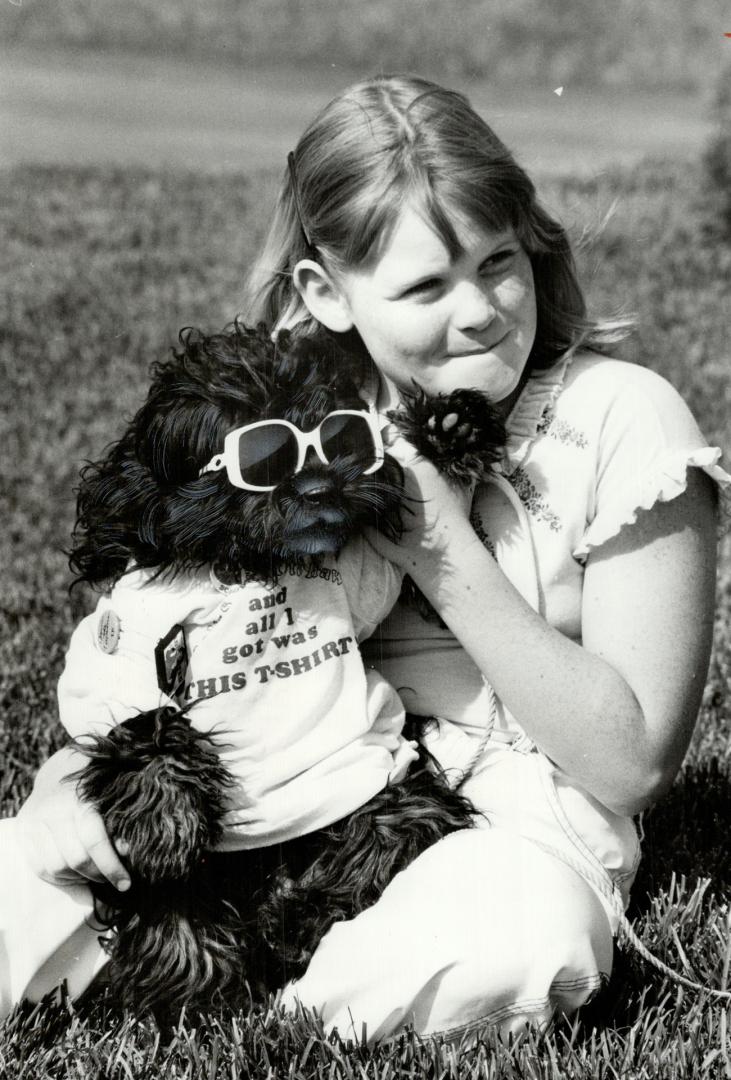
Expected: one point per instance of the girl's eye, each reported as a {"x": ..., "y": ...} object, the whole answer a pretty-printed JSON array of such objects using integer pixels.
[
  {"x": 498, "y": 260},
  {"x": 422, "y": 287}
]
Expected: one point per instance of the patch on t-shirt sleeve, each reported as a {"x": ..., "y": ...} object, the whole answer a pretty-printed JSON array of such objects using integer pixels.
[
  {"x": 171, "y": 661},
  {"x": 108, "y": 630}
]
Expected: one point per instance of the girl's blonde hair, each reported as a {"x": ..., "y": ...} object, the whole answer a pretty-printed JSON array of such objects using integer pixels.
[{"x": 393, "y": 139}]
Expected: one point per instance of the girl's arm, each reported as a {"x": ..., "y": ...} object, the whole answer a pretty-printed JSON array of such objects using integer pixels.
[{"x": 617, "y": 713}]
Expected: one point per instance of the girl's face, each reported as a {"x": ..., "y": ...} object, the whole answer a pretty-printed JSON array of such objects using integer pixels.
[{"x": 446, "y": 322}]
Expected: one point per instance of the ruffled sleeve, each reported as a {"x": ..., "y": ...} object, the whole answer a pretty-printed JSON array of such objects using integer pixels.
[{"x": 648, "y": 441}]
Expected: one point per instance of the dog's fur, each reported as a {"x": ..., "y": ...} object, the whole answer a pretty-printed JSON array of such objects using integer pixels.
[{"x": 196, "y": 923}]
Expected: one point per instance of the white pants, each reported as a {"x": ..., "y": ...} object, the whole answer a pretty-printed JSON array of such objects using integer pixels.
[
  {"x": 491, "y": 926},
  {"x": 500, "y": 926}
]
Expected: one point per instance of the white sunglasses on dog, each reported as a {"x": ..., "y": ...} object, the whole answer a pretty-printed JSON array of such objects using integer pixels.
[{"x": 259, "y": 456}]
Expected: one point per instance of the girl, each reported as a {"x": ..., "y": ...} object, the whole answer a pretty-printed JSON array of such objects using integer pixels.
[
  {"x": 577, "y": 587},
  {"x": 573, "y": 594}
]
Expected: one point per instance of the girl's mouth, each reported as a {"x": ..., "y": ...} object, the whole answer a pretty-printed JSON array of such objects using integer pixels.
[{"x": 482, "y": 350}]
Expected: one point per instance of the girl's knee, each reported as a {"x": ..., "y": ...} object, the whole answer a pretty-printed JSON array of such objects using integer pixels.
[
  {"x": 538, "y": 944},
  {"x": 483, "y": 928}
]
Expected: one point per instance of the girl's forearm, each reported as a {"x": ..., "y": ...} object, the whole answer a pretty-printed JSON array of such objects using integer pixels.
[{"x": 574, "y": 705}]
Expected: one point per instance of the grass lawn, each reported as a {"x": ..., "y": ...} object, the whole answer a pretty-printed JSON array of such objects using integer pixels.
[
  {"x": 100, "y": 267},
  {"x": 91, "y": 107}
]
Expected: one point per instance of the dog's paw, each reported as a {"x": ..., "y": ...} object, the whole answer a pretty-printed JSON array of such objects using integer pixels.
[{"x": 460, "y": 432}]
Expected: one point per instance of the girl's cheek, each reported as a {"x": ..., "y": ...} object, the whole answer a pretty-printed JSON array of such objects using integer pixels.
[
  {"x": 423, "y": 329},
  {"x": 515, "y": 291}
]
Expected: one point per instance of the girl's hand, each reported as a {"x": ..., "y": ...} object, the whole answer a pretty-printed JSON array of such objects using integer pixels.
[
  {"x": 65, "y": 839},
  {"x": 435, "y": 515}
]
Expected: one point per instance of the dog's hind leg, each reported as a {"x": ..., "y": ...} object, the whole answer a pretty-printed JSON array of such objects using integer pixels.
[{"x": 358, "y": 857}]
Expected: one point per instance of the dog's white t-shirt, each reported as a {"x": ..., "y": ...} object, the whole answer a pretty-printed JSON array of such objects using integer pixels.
[{"x": 275, "y": 673}]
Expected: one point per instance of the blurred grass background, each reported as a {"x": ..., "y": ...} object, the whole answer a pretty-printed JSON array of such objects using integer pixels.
[
  {"x": 231, "y": 83},
  {"x": 639, "y": 43}
]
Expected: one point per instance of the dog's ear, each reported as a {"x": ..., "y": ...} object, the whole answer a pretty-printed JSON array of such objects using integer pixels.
[{"x": 323, "y": 296}]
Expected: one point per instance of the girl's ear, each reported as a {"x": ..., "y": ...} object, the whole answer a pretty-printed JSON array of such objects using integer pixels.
[{"x": 322, "y": 296}]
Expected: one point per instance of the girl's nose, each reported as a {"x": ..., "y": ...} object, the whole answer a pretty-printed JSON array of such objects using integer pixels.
[{"x": 474, "y": 309}]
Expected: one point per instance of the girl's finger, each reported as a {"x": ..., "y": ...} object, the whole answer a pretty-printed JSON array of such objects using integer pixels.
[{"x": 99, "y": 848}]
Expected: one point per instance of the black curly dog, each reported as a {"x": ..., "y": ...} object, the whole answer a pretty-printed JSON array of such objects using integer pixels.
[{"x": 197, "y": 924}]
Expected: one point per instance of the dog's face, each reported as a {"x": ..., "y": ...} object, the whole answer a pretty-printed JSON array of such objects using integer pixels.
[
  {"x": 221, "y": 385},
  {"x": 316, "y": 509}
]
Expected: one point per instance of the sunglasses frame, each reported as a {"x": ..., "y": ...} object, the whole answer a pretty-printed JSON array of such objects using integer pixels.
[{"x": 229, "y": 458}]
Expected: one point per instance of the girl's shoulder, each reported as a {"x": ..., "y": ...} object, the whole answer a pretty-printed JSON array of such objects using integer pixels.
[
  {"x": 584, "y": 397},
  {"x": 641, "y": 438},
  {"x": 607, "y": 397},
  {"x": 603, "y": 382}
]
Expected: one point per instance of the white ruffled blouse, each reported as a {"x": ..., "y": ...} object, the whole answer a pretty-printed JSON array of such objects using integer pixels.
[{"x": 590, "y": 443}]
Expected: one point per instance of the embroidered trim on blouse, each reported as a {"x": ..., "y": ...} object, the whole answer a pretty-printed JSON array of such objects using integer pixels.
[
  {"x": 561, "y": 430},
  {"x": 532, "y": 499},
  {"x": 476, "y": 523}
]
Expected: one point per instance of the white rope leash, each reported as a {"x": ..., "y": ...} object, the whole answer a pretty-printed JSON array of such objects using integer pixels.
[
  {"x": 484, "y": 738},
  {"x": 602, "y": 882}
]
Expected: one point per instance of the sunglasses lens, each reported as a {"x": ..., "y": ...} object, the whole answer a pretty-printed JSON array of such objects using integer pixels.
[
  {"x": 267, "y": 454},
  {"x": 348, "y": 435}
]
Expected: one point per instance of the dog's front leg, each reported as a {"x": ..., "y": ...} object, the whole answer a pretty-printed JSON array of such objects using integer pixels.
[
  {"x": 160, "y": 787},
  {"x": 462, "y": 432}
]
